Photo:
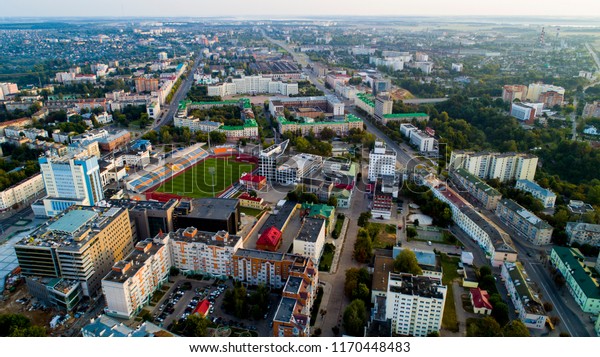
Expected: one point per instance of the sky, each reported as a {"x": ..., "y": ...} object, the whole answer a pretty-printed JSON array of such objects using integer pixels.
[{"x": 296, "y": 8}]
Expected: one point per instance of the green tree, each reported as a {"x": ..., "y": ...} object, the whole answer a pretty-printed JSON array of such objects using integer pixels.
[
  {"x": 355, "y": 318},
  {"x": 332, "y": 201},
  {"x": 515, "y": 328},
  {"x": 406, "y": 262},
  {"x": 485, "y": 327},
  {"x": 364, "y": 218},
  {"x": 411, "y": 232},
  {"x": 500, "y": 313},
  {"x": 217, "y": 138},
  {"x": 363, "y": 247},
  {"x": 327, "y": 134}
]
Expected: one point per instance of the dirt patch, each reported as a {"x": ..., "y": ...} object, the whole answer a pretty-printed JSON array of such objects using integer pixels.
[{"x": 10, "y": 306}]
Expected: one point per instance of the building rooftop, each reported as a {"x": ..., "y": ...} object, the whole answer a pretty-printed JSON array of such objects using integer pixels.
[
  {"x": 579, "y": 207},
  {"x": 580, "y": 272},
  {"x": 477, "y": 182},
  {"x": 310, "y": 229},
  {"x": 481, "y": 299},
  {"x": 285, "y": 310},
  {"x": 293, "y": 285},
  {"x": 382, "y": 268},
  {"x": 537, "y": 188},
  {"x": 73, "y": 228},
  {"x": 278, "y": 219},
  {"x": 580, "y": 226},
  {"x": 366, "y": 98},
  {"x": 500, "y": 240},
  {"x": 193, "y": 235},
  {"x": 213, "y": 208},
  {"x": 133, "y": 205},
  {"x": 405, "y": 115},
  {"x": 104, "y": 326},
  {"x": 318, "y": 210},
  {"x": 525, "y": 214},
  {"x": 519, "y": 279},
  {"x": 128, "y": 267},
  {"x": 270, "y": 237},
  {"x": 419, "y": 285}
]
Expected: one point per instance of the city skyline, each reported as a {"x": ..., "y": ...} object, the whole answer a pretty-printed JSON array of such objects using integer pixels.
[{"x": 244, "y": 9}]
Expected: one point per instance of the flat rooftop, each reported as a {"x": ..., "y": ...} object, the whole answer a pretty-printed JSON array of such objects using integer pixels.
[
  {"x": 129, "y": 266},
  {"x": 143, "y": 205},
  {"x": 525, "y": 214},
  {"x": 500, "y": 240},
  {"x": 285, "y": 310},
  {"x": 310, "y": 229},
  {"x": 477, "y": 182},
  {"x": 382, "y": 268},
  {"x": 519, "y": 279},
  {"x": 278, "y": 220},
  {"x": 193, "y": 235},
  {"x": 408, "y": 284},
  {"x": 213, "y": 208},
  {"x": 293, "y": 285}
]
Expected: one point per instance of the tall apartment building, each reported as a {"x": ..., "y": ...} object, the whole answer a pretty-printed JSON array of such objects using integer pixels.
[
  {"x": 253, "y": 85},
  {"x": 382, "y": 161},
  {"x": 530, "y": 309},
  {"x": 7, "y": 88},
  {"x": 512, "y": 92},
  {"x": 258, "y": 267},
  {"x": 583, "y": 233},
  {"x": 22, "y": 192},
  {"x": 199, "y": 252},
  {"x": 292, "y": 317},
  {"x": 551, "y": 98},
  {"x": 547, "y": 197},
  {"x": 70, "y": 180},
  {"x": 80, "y": 245},
  {"x": 415, "y": 304},
  {"x": 144, "y": 84},
  {"x": 481, "y": 191},
  {"x": 267, "y": 160},
  {"x": 501, "y": 166},
  {"x": 534, "y": 229},
  {"x": 311, "y": 238},
  {"x": 129, "y": 286},
  {"x": 383, "y": 106},
  {"x": 579, "y": 279},
  {"x": 591, "y": 110}
]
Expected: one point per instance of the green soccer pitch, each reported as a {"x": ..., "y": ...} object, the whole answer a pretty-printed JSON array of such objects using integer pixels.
[{"x": 197, "y": 181}]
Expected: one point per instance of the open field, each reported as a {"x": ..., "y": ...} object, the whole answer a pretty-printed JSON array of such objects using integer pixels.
[{"x": 197, "y": 182}]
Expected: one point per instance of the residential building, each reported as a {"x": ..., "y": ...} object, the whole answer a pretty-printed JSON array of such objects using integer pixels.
[
  {"x": 311, "y": 238},
  {"x": 512, "y": 92},
  {"x": 146, "y": 84},
  {"x": 475, "y": 187},
  {"x": 305, "y": 125},
  {"x": 457, "y": 67},
  {"x": 22, "y": 192},
  {"x": 322, "y": 211},
  {"x": 282, "y": 213},
  {"x": 269, "y": 240},
  {"x": 211, "y": 214},
  {"x": 405, "y": 117},
  {"x": 81, "y": 244},
  {"x": 580, "y": 281},
  {"x": 70, "y": 180},
  {"x": 383, "y": 265},
  {"x": 200, "y": 252},
  {"x": 579, "y": 207},
  {"x": 480, "y": 299},
  {"x": 297, "y": 167},
  {"x": 501, "y": 166},
  {"x": 129, "y": 286},
  {"x": 583, "y": 233},
  {"x": 292, "y": 318},
  {"x": 251, "y": 202},
  {"x": 330, "y": 105},
  {"x": 30, "y": 133},
  {"x": 365, "y": 102},
  {"x": 256, "y": 267},
  {"x": 267, "y": 160},
  {"x": 114, "y": 140},
  {"x": 104, "y": 326},
  {"x": 382, "y": 201},
  {"x": 534, "y": 229},
  {"x": 383, "y": 106},
  {"x": 253, "y": 85},
  {"x": 382, "y": 161},
  {"x": 535, "y": 91},
  {"x": 415, "y": 304},
  {"x": 7, "y": 88},
  {"x": 544, "y": 195},
  {"x": 423, "y": 141},
  {"x": 591, "y": 110},
  {"x": 526, "y": 303},
  {"x": 425, "y": 67}
]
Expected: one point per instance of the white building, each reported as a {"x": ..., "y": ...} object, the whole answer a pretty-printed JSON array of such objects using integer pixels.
[
  {"x": 583, "y": 233},
  {"x": 423, "y": 141},
  {"x": 383, "y": 106},
  {"x": 31, "y": 133},
  {"x": 457, "y": 67},
  {"x": 382, "y": 161},
  {"x": 7, "y": 88},
  {"x": 311, "y": 239},
  {"x": 544, "y": 195},
  {"x": 415, "y": 304},
  {"x": 502, "y": 166},
  {"x": 407, "y": 129},
  {"x": 196, "y": 124},
  {"x": 198, "y": 252},
  {"x": 22, "y": 192},
  {"x": 253, "y": 85},
  {"x": 133, "y": 280},
  {"x": 536, "y": 89},
  {"x": 530, "y": 309},
  {"x": 298, "y": 167},
  {"x": 425, "y": 67}
]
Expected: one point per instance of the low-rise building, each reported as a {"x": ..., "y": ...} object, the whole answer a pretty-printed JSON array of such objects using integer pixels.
[
  {"x": 578, "y": 277},
  {"x": 534, "y": 229},
  {"x": 480, "y": 299},
  {"x": 297, "y": 168},
  {"x": 104, "y": 326},
  {"x": 254, "y": 182},
  {"x": 251, "y": 202},
  {"x": 322, "y": 211},
  {"x": 547, "y": 197},
  {"x": 583, "y": 233},
  {"x": 530, "y": 309},
  {"x": 405, "y": 117},
  {"x": 474, "y": 186},
  {"x": 269, "y": 240}
]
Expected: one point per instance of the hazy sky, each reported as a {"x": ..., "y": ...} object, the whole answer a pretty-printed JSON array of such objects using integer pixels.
[{"x": 254, "y": 8}]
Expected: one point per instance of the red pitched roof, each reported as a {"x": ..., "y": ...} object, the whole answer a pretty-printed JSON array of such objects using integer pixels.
[
  {"x": 481, "y": 299},
  {"x": 202, "y": 307},
  {"x": 246, "y": 196},
  {"x": 270, "y": 237},
  {"x": 252, "y": 178}
]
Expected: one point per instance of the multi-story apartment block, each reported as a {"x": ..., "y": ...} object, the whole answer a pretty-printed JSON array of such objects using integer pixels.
[
  {"x": 199, "y": 252},
  {"x": 329, "y": 104},
  {"x": 534, "y": 229},
  {"x": 583, "y": 233},
  {"x": 311, "y": 238},
  {"x": 415, "y": 304},
  {"x": 383, "y": 106},
  {"x": 423, "y": 141},
  {"x": 81, "y": 245},
  {"x": 70, "y": 180},
  {"x": 501, "y": 166},
  {"x": 591, "y": 110},
  {"x": 297, "y": 167},
  {"x": 257, "y": 267},
  {"x": 129, "y": 286},
  {"x": 537, "y": 90},
  {"x": 366, "y": 102},
  {"x": 382, "y": 161},
  {"x": 305, "y": 126},
  {"x": 145, "y": 84},
  {"x": 580, "y": 281},
  {"x": 512, "y": 92},
  {"x": 530, "y": 309},
  {"x": 547, "y": 197},
  {"x": 481, "y": 191},
  {"x": 22, "y": 192},
  {"x": 267, "y": 160},
  {"x": 253, "y": 85},
  {"x": 292, "y": 318}
]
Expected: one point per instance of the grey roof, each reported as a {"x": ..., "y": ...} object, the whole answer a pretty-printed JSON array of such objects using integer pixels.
[
  {"x": 525, "y": 214},
  {"x": 418, "y": 285},
  {"x": 500, "y": 240},
  {"x": 278, "y": 220},
  {"x": 285, "y": 310},
  {"x": 293, "y": 284},
  {"x": 213, "y": 208},
  {"x": 310, "y": 229}
]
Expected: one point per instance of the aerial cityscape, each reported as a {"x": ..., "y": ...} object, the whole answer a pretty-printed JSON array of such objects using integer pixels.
[{"x": 328, "y": 174}]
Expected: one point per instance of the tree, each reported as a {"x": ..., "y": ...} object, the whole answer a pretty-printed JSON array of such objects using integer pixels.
[
  {"x": 332, "y": 201},
  {"x": 356, "y": 285},
  {"x": 411, "y": 232},
  {"x": 16, "y": 325},
  {"x": 485, "y": 327},
  {"x": 355, "y": 318},
  {"x": 217, "y": 138},
  {"x": 484, "y": 271},
  {"x": 564, "y": 334},
  {"x": 406, "y": 262},
  {"x": 252, "y": 193},
  {"x": 515, "y": 328},
  {"x": 416, "y": 222},
  {"x": 548, "y": 306},
  {"x": 327, "y": 134},
  {"x": 364, "y": 218},
  {"x": 363, "y": 247},
  {"x": 145, "y": 315},
  {"x": 433, "y": 334},
  {"x": 500, "y": 313}
]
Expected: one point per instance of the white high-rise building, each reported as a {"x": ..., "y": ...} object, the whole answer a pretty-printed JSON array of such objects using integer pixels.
[
  {"x": 382, "y": 161},
  {"x": 253, "y": 85},
  {"x": 70, "y": 180},
  {"x": 501, "y": 166},
  {"x": 415, "y": 304}
]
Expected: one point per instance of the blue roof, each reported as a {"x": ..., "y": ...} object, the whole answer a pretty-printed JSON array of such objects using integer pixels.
[
  {"x": 140, "y": 144},
  {"x": 535, "y": 187},
  {"x": 424, "y": 257}
]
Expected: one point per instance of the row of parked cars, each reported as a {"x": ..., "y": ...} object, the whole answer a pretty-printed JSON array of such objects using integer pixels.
[{"x": 168, "y": 307}]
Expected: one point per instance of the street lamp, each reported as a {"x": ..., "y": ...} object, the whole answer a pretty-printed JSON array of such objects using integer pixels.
[{"x": 211, "y": 171}]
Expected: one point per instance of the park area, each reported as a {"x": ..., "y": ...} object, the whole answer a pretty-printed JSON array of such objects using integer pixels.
[{"x": 197, "y": 182}]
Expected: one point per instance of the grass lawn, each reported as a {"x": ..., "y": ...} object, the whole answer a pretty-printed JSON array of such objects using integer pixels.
[
  {"x": 327, "y": 257},
  {"x": 250, "y": 211},
  {"x": 447, "y": 238},
  {"x": 380, "y": 235},
  {"x": 197, "y": 181},
  {"x": 449, "y": 267}
]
